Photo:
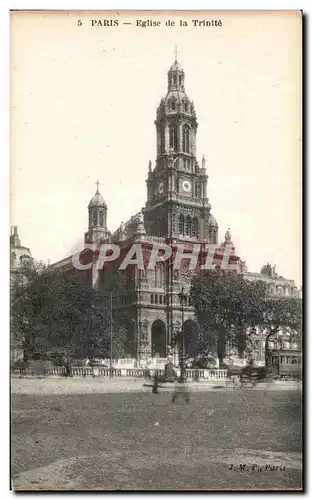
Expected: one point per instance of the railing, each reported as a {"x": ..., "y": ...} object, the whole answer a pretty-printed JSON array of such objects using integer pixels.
[{"x": 191, "y": 374}]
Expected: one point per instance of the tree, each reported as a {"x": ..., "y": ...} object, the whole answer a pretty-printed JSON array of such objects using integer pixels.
[
  {"x": 62, "y": 317},
  {"x": 49, "y": 313},
  {"x": 229, "y": 308},
  {"x": 280, "y": 314},
  {"x": 100, "y": 327},
  {"x": 226, "y": 305},
  {"x": 21, "y": 313}
]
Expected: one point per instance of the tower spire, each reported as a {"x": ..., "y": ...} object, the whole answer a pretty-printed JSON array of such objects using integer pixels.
[
  {"x": 176, "y": 53},
  {"x": 97, "y": 186}
]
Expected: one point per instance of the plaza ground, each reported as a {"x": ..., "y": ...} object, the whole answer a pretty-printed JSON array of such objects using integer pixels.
[{"x": 135, "y": 440}]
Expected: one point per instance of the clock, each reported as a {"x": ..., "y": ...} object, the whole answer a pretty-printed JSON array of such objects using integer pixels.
[
  {"x": 161, "y": 188},
  {"x": 186, "y": 186}
]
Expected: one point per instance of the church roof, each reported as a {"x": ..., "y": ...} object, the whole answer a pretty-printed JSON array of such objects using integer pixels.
[
  {"x": 175, "y": 66},
  {"x": 97, "y": 200},
  {"x": 177, "y": 94},
  {"x": 212, "y": 221}
]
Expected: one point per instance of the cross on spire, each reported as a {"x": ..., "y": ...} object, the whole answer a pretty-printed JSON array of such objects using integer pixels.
[
  {"x": 176, "y": 53},
  {"x": 97, "y": 186}
]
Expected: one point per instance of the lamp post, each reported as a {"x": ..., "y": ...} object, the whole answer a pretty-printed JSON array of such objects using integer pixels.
[
  {"x": 182, "y": 297},
  {"x": 111, "y": 337}
]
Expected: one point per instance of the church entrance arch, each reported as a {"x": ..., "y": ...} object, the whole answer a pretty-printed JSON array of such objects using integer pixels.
[
  {"x": 159, "y": 344},
  {"x": 190, "y": 338}
]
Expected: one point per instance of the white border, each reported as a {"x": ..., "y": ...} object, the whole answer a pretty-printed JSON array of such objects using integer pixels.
[{"x": 5, "y": 6}]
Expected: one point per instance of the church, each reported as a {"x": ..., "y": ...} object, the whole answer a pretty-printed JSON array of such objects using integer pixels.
[{"x": 177, "y": 211}]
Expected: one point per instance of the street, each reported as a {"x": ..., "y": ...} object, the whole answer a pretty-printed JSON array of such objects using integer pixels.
[{"x": 240, "y": 439}]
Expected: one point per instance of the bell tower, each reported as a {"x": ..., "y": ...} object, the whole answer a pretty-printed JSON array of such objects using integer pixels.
[
  {"x": 177, "y": 205},
  {"x": 97, "y": 223}
]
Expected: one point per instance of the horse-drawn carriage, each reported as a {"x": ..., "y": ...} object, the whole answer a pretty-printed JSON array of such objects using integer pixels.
[
  {"x": 239, "y": 375},
  {"x": 281, "y": 364},
  {"x": 285, "y": 364}
]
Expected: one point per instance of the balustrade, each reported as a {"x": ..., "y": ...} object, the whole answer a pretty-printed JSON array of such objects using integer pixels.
[{"x": 192, "y": 374}]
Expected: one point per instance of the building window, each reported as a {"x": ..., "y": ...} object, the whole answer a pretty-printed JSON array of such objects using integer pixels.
[
  {"x": 173, "y": 105},
  {"x": 181, "y": 224},
  {"x": 174, "y": 220},
  {"x": 94, "y": 218},
  {"x": 152, "y": 299},
  {"x": 25, "y": 261},
  {"x": 173, "y": 138},
  {"x": 195, "y": 227},
  {"x": 186, "y": 138},
  {"x": 156, "y": 299},
  {"x": 180, "y": 79},
  {"x": 188, "y": 224},
  {"x": 101, "y": 219},
  {"x": 160, "y": 299},
  {"x": 174, "y": 79},
  {"x": 186, "y": 106}
]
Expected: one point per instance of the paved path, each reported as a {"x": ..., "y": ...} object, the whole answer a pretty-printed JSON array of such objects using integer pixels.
[{"x": 89, "y": 385}]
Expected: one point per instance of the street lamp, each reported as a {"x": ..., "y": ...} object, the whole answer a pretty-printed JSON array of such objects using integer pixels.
[{"x": 182, "y": 297}]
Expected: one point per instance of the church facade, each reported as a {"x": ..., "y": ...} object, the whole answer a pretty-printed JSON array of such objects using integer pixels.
[{"x": 177, "y": 211}]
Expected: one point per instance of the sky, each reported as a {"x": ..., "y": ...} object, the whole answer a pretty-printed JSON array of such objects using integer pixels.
[{"x": 83, "y": 105}]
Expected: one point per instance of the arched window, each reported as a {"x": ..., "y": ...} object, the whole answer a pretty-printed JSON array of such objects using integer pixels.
[
  {"x": 186, "y": 138},
  {"x": 173, "y": 138},
  {"x": 180, "y": 79},
  {"x": 94, "y": 218},
  {"x": 188, "y": 225},
  {"x": 156, "y": 299},
  {"x": 174, "y": 79},
  {"x": 186, "y": 106},
  {"x": 195, "y": 227},
  {"x": 152, "y": 299},
  {"x": 181, "y": 224},
  {"x": 101, "y": 218},
  {"x": 173, "y": 105},
  {"x": 174, "y": 222},
  {"x": 160, "y": 299}
]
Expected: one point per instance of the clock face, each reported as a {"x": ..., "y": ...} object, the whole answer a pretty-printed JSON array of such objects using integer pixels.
[
  {"x": 161, "y": 188},
  {"x": 186, "y": 186}
]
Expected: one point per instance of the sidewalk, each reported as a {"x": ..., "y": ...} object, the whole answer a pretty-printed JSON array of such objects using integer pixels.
[{"x": 84, "y": 385}]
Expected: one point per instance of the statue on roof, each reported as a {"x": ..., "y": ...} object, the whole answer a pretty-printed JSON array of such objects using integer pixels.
[
  {"x": 228, "y": 237},
  {"x": 204, "y": 161},
  {"x": 140, "y": 218}
]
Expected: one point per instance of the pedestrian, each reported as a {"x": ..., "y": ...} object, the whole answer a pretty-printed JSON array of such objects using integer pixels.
[
  {"x": 155, "y": 386},
  {"x": 181, "y": 389},
  {"x": 170, "y": 373}
]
